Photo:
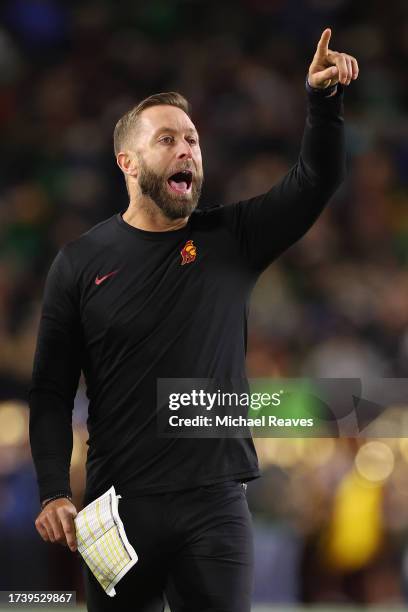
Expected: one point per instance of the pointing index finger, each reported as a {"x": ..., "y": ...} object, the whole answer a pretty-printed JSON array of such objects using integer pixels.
[{"x": 323, "y": 44}]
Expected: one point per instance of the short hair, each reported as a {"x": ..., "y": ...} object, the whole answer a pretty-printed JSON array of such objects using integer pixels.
[{"x": 128, "y": 122}]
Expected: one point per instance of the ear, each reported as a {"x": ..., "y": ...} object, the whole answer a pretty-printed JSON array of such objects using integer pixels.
[{"x": 127, "y": 162}]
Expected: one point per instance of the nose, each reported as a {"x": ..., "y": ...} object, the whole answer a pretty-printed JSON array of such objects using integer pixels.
[{"x": 184, "y": 150}]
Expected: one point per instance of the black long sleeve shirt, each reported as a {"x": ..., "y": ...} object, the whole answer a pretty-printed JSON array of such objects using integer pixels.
[{"x": 154, "y": 317}]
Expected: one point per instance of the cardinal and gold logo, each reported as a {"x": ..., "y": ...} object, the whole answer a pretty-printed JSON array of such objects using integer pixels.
[{"x": 188, "y": 253}]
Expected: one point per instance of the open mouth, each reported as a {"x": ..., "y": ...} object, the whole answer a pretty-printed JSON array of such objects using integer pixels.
[{"x": 181, "y": 181}]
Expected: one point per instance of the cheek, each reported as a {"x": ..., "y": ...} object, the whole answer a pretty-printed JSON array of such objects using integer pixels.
[
  {"x": 159, "y": 165},
  {"x": 198, "y": 160}
]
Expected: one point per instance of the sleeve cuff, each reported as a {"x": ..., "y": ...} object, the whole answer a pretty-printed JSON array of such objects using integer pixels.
[{"x": 328, "y": 92}]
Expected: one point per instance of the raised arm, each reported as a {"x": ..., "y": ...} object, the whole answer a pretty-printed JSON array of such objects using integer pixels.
[
  {"x": 268, "y": 224},
  {"x": 56, "y": 372}
]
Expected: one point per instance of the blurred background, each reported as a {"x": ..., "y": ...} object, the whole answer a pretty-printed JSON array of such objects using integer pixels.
[{"x": 330, "y": 516}]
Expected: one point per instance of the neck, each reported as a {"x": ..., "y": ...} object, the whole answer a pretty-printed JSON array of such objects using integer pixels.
[{"x": 143, "y": 214}]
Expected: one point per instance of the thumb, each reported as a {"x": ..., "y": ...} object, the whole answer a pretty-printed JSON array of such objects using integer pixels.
[
  {"x": 318, "y": 78},
  {"x": 69, "y": 508}
]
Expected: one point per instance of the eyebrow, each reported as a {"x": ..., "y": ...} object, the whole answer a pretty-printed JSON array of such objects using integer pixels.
[{"x": 169, "y": 129}]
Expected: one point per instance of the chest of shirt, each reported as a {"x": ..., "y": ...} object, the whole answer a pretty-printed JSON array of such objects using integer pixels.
[{"x": 134, "y": 288}]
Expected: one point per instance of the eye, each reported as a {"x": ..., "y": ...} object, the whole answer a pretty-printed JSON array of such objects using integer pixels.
[
  {"x": 192, "y": 140},
  {"x": 167, "y": 139}
]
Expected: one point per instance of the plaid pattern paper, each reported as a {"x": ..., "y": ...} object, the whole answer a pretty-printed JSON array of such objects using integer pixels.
[{"x": 102, "y": 541}]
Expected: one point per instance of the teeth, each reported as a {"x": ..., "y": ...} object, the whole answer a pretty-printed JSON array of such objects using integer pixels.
[{"x": 186, "y": 174}]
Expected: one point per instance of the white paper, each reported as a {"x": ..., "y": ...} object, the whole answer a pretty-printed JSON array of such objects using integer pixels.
[{"x": 102, "y": 541}]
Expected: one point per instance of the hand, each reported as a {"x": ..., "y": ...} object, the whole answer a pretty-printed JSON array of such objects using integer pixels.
[
  {"x": 330, "y": 67},
  {"x": 55, "y": 523}
]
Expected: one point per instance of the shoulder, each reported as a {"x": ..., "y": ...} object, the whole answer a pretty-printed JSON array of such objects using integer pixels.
[
  {"x": 99, "y": 233},
  {"x": 98, "y": 237},
  {"x": 226, "y": 216},
  {"x": 210, "y": 217}
]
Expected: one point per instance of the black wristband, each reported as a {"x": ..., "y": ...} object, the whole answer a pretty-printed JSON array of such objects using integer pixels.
[
  {"x": 326, "y": 92},
  {"x": 54, "y": 497}
]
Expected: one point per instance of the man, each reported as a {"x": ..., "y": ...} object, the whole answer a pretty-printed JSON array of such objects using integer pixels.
[{"x": 161, "y": 292}]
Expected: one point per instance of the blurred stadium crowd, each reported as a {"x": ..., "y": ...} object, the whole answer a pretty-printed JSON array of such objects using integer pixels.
[{"x": 330, "y": 515}]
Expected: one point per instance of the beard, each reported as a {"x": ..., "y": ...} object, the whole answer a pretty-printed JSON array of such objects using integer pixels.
[{"x": 173, "y": 205}]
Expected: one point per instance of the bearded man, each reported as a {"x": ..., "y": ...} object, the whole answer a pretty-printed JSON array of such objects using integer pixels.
[{"x": 161, "y": 290}]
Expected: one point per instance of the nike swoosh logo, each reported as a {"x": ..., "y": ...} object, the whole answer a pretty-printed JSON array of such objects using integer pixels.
[{"x": 100, "y": 280}]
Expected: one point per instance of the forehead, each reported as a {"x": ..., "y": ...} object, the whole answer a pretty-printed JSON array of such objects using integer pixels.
[{"x": 164, "y": 116}]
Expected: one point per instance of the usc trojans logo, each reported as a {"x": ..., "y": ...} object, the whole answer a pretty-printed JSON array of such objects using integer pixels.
[{"x": 188, "y": 253}]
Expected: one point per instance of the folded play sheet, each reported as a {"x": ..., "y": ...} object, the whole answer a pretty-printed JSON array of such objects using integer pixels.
[{"x": 102, "y": 541}]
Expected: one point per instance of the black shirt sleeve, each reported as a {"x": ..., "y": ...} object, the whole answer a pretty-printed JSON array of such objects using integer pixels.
[
  {"x": 268, "y": 224},
  {"x": 55, "y": 379}
]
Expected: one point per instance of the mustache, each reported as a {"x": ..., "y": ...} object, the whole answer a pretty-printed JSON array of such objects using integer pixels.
[{"x": 184, "y": 168}]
